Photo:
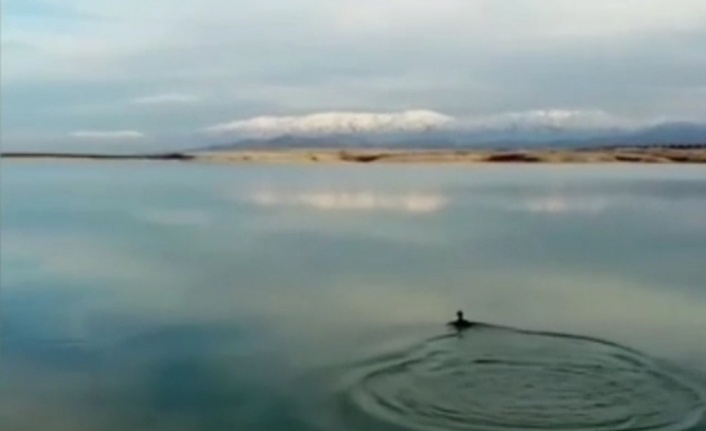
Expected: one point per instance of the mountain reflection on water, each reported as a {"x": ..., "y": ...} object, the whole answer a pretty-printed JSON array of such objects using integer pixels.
[{"x": 161, "y": 297}]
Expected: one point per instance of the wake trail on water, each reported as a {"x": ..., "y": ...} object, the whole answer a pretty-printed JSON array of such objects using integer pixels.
[{"x": 492, "y": 378}]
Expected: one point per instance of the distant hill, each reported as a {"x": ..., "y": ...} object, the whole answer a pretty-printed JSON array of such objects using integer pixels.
[{"x": 673, "y": 133}]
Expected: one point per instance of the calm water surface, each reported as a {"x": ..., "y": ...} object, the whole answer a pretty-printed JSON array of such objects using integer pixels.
[{"x": 185, "y": 297}]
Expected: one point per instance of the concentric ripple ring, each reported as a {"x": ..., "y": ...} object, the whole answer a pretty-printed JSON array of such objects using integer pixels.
[{"x": 493, "y": 378}]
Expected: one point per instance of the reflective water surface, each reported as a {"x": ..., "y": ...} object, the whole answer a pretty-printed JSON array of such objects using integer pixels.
[{"x": 185, "y": 297}]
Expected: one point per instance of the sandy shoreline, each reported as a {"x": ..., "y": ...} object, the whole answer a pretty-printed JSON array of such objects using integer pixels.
[
  {"x": 458, "y": 157},
  {"x": 313, "y": 156}
]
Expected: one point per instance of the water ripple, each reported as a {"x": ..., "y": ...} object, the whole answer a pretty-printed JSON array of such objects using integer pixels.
[{"x": 495, "y": 378}]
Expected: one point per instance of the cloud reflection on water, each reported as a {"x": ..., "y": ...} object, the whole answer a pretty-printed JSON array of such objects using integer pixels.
[
  {"x": 558, "y": 204},
  {"x": 580, "y": 203},
  {"x": 77, "y": 257},
  {"x": 363, "y": 201}
]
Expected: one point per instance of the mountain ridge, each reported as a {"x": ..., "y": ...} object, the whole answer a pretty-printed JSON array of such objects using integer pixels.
[{"x": 663, "y": 134}]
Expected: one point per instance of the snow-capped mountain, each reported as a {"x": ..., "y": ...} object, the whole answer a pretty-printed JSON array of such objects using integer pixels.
[
  {"x": 429, "y": 129},
  {"x": 327, "y": 123}
]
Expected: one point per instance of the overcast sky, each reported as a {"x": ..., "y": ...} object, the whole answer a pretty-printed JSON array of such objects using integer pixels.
[{"x": 80, "y": 73}]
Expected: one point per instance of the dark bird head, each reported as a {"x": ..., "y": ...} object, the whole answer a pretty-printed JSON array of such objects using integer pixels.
[{"x": 459, "y": 315}]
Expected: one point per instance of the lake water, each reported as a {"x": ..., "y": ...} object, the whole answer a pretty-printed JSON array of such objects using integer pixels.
[{"x": 139, "y": 296}]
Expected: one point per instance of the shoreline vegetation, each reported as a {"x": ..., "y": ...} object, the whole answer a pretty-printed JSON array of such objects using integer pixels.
[{"x": 665, "y": 154}]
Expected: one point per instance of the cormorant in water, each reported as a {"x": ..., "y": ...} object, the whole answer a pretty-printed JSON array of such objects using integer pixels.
[{"x": 460, "y": 323}]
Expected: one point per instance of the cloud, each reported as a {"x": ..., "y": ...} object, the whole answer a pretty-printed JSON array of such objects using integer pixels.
[
  {"x": 573, "y": 119},
  {"x": 524, "y": 18},
  {"x": 337, "y": 122},
  {"x": 323, "y": 123},
  {"x": 165, "y": 99},
  {"x": 635, "y": 58},
  {"x": 107, "y": 134},
  {"x": 417, "y": 203}
]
